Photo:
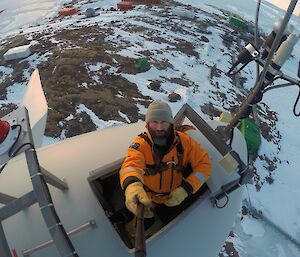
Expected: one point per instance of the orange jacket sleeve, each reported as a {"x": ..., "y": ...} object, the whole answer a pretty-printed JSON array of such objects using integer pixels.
[
  {"x": 200, "y": 162},
  {"x": 134, "y": 165}
]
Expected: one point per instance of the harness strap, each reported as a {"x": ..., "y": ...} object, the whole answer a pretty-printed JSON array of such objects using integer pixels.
[
  {"x": 179, "y": 149},
  {"x": 152, "y": 169},
  {"x": 164, "y": 166},
  {"x": 147, "y": 189},
  {"x": 179, "y": 146},
  {"x": 146, "y": 138}
]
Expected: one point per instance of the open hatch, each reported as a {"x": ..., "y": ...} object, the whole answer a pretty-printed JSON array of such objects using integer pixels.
[{"x": 106, "y": 186}]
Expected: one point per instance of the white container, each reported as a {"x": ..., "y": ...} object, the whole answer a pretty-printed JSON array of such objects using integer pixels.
[
  {"x": 17, "y": 52},
  {"x": 183, "y": 13}
]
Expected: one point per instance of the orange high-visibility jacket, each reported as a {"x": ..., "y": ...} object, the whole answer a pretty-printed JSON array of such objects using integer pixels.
[{"x": 186, "y": 164}]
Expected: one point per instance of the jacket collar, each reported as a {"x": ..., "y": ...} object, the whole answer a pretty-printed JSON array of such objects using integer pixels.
[{"x": 174, "y": 143}]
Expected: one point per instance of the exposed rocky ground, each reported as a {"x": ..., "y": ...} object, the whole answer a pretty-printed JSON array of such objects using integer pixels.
[{"x": 67, "y": 57}]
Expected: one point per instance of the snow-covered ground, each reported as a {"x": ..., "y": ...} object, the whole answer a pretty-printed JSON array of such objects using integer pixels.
[
  {"x": 279, "y": 200},
  {"x": 16, "y": 13}
]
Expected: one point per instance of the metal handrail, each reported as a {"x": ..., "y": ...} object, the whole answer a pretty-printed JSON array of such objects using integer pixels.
[{"x": 81, "y": 227}]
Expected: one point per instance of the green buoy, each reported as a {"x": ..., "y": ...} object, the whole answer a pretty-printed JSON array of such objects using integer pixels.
[
  {"x": 251, "y": 132},
  {"x": 237, "y": 22},
  {"x": 143, "y": 64}
]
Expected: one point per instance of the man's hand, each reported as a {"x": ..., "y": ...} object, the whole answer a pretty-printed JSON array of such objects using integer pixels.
[
  {"x": 176, "y": 197},
  {"x": 135, "y": 193}
]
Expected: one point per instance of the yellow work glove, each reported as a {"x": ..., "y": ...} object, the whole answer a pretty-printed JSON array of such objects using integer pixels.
[
  {"x": 176, "y": 197},
  {"x": 135, "y": 193}
]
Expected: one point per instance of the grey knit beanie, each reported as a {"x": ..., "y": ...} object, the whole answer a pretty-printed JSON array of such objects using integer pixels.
[{"x": 159, "y": 111}]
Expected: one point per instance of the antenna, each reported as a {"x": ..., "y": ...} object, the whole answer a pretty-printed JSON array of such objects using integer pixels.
[{"x": 271, "y": 68}]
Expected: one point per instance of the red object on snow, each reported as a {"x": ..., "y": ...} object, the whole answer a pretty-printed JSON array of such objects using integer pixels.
[
  {"x": 126, "y": 5},
  {"x": 103, "y": 72},
  {"x": 4, "y": 129},
  {"x": 144, "y": 1},
  {"x": 67, "y": 11}
]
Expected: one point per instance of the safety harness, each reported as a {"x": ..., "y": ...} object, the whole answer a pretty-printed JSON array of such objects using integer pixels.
[
  {"x": 159, "y": 167},
  {"x": 162, "y": 166}
]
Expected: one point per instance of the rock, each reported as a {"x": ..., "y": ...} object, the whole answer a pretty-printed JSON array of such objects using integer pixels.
[
  {"x": 155, "y": 86},
  {"x": 231, "y": 234},
  {"x": 210, "y": 110},
  {"x": 204, "y": 39},
  {"x": 174, "y": 97},
  {"x": 90, "y": 12}
]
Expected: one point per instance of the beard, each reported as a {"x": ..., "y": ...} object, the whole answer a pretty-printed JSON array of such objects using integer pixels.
[{"x": 162, "y": 138}]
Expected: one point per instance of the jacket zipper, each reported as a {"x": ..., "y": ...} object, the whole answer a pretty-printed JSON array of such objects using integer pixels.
[
  {"x": 172, "y": 174},
  {"x": 160, "y": 180}
]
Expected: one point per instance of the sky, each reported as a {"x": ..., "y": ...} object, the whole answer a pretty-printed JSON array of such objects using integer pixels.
[
  {"x": 32, "y": 12},
  {"x": 279, "y": 200},
  {"x": 18, "y": 13},
  {"x": 284, "y": 5}
]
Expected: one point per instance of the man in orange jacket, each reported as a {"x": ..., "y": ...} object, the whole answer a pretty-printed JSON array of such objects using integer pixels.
[{"x": 163, "y": 166}]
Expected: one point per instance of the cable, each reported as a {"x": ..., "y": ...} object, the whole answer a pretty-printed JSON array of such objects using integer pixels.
[
  {"x": 231, "y": 138},
  {"x": 20, "y": 147},
  {"x": 277, "y": 86},
  {"x": 222, "y": 206},
  {"x": 11, "y": 148},
  {"x": 285, "y": 85},
  {"x": 15, "y": 153},
  {"x": 18, "y": 136},
  {"x": 242, "y": 67},
  {"x": 296, "y": 102},
  {"x": 12, "y": 153},
  {"x": 256, "y": 35},
  {"x": 2, "y": 168}
]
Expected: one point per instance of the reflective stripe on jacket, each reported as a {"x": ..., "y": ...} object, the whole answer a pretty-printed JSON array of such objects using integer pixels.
[{"x": 160, "y": 182}]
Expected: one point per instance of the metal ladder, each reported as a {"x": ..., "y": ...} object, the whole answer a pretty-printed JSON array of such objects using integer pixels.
[{"x": 40, "y": 194}]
